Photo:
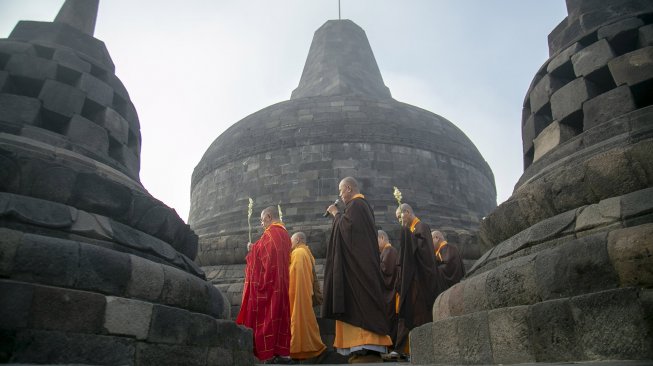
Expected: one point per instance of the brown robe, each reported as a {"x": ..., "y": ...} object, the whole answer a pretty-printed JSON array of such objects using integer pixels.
[
  {"x": 389, "y": 270},
  {"x": 419, "y": 282},
  {"x": 450, "y": 266},
  {"x": 352, "y": 273}
]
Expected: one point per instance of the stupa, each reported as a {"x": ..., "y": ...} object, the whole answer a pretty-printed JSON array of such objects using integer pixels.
[
  {"x": 340, "y": 121},
  {"x": 570, "y": 272},
  {"x": 93, "y": 269}
]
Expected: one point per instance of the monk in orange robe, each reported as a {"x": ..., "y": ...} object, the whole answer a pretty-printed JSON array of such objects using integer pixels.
[
  {"x": 305, "y": 341},
  {"x": 353, "y": 280},
  {"x": 448, "y": 261},
  {"x": 265, "y": 306}
]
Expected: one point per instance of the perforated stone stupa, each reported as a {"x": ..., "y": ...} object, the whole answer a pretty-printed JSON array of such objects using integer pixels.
[
  {"x": 93, "y": 269},
  {"x": 570, "y": 272},
  {"x": 340, "y": 121}
]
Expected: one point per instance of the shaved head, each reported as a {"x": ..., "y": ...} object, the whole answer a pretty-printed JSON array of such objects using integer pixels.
[
  {"x": 298, "y": 238},
  {"x": 352, "y": 183},
  {"x": 272, "y": 211}
]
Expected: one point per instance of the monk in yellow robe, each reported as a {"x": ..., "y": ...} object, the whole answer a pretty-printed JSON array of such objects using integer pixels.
[{"x": 305, "y": 341}]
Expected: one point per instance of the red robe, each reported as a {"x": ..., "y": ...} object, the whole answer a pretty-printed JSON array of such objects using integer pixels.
[{"x": 266, "y": 307}]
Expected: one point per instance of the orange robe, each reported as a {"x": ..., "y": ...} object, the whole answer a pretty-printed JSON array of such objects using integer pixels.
[
  {"x": 305, "y": 339},
  {"x": 265, "y": 307}
]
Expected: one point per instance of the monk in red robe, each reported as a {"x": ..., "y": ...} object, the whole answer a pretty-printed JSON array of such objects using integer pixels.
[{"x": 266, "y": 307}]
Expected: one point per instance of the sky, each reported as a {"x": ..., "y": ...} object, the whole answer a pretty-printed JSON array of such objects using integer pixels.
[{"x": 196, "y": 67}]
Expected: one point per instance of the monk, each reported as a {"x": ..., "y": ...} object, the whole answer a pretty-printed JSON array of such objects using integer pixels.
[
  {"x": 305, "y": 341},
  {"x": 352, "y": 279},
  {"x": 418, "y": 283},
  {"x": 265, "y": 306},
  {"x": 389, "y": 258},
  {"x": 448, "y": 261}
]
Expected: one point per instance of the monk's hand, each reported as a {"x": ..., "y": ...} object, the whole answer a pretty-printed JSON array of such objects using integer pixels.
[
  {"x": 249, "y": 246},
  {"x": 333, "y": 210}
]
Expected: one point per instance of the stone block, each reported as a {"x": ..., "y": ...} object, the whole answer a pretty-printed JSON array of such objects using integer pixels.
[
  {"x": 637, "y": 203},
  {"x": 67, "y": 310},
  {"x": 633, "y": 67},
  {"x": 9, "y": 47},
  {"x": 170, "y": 355},
  {"x": 512, "y": 283},
  {"x": 15, "y": 304},
  {"x": 541, "y": 93},
  {"x": 96, "y": 90},
  {"x": 46, "y": 260},
  {"x": 605, "y": 212},
  {"x": 592, "y": 58},
  {"x": 422, "y": 343},
  {"x": 103, "y": 270},
  {"x": 9, "y": 242},
  {"x": 474, "y": 339},
  {"x": 86, "y": 133},
  {"x": 577, "y": 267},
  {"x": 445, "y": 342},
  {"x": 203, "y": 330},
  {"x": 69, "y": 59},
  {"x": 51, "y": 347},
  {"x": 93, "y": 226},
  {"x": 115, "y": 124},
  {"x": 234, "y": 336},
  {"x": 554, "y": 336},
  {"x": 570, "y": 98},
  {"x": 169, "y": 325},
  {"x": 219, "y": 356},
  {"x": 617, "y": 31},
  {"x": 456, "y": 300},
  {"x": 611, "y": 325},
  {"x": 532, "y": 127},
  {"x": 608, "y": 106},
  {"x": 198, "y": 298},
  {"x": 99, "y": 195},
  {"x": 127, "y": 317},
  {"x": 563, "y": 57},
  {"x": 552, "y": 136},
  {"x": 61, "y": 98},
  {"x": 19, "y": 109},
  {"x": 612, "y": 174},
  {"x": 146, "y": 280},
  {"x": 645, "y": 36},
  {"x": 441, "y": 308},
  {"x": 54, "y": 183},
  {"x": 31, "y": 67},
  {"x": 175, "y": 289},
  {"x": 630, "y": 254},
  {"x": 4, "y": 80},
  {"x": 510, "y": 335},
  {"x": 474, "y": 295}
]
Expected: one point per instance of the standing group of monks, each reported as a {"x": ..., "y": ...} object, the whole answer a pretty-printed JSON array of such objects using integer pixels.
[{"x": 375, "y": 295}]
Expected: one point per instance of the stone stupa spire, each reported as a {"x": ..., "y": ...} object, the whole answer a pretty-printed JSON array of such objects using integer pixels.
[
  {"x": 341, "y": 62},
  {"x": 80, "y": 14}
]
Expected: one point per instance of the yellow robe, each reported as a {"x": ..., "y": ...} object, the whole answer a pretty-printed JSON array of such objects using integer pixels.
[{"x": 305, "y": 341}]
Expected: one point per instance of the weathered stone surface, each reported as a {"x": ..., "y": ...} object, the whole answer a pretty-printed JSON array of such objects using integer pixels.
[
  {"x": 564, "y": 272},
  {"x": 15, "y": 304},
  {"x": 532, "y": 127},
  {"x": 146, "y": 280},
  {"x": 618, "y": 32},
  {"x": 19, "y": 109},
  {"x": 128, "y": 317},
  {"x": 219, "y": 305},
  {"x": 441, "y": 309},
  {"x": 510, "y": 335},
  {"x": 115, "y": 124},
  {"x": 96, "y": 194},
  {"x": 552, "y": 136},
  {"x": 592, "y": 58},
  {"x": 633, "y": 68},
  {"x": 607, "y": 106},
  {"x": 176, "y": 287},
  {"x": 32, "y": 67},
  {"x": 476, "y": 347},
  {"x": 554, "y": 337},
  {"x": 170, "y": 355},
  {"x": 474, "y": 295},
  {"x": 612, "y": 174},
  {"x": 46, "y": 260},
  {"x": 630, "y": 254},
  {"x": 53, "y": 347},
  {"x": 69, "y": 59},
  {"x": 570, "y": 98},
  {"x": 637, "y": 203},
  {"x": 445, "y": 342},
  {"x": 53, "y": 183},
  {"x": 94, "y": 226},
  {"x": 513, "y": 283},
  {"x": 563, "y": 57},
  {"x": 219, "y": 356},
  {"x": 645, "y": 36},
  {"x": 612, "y": 325},
  {"x": 606, "y": 212},
  {"x": 103, "y": 270},
  {"x": 9, "y": 242},
  {"x": 169, "y": 325},
  {"x": 203, "y": 330},
  {"x": 422, "y": 345},
  {"x": 96, "y": 90},
  {"x": 61, "y": 98},
  {"x": 67, "y": 310},
  {"x": 35, "y": 211},
  {"x": 542, "y": 91},
  {"x": 88, "y": 134}
]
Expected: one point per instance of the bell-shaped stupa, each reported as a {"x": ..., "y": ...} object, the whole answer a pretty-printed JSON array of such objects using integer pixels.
[
  {"x": 93, "y": 269},
  {"x": 340, "y": 121}
]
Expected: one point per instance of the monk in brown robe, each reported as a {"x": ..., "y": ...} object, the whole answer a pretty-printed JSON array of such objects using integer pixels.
[
  {"x": 418, "y": 283},
  {"x": 389, "y": 261},
  {"x": 352, "y": 279},
  {"x": 305, "y": 341},
  {"x": 448, "y": 261}
]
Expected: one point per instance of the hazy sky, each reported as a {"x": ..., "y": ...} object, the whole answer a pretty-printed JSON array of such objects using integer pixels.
[{"x": 193, "y": 68}]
